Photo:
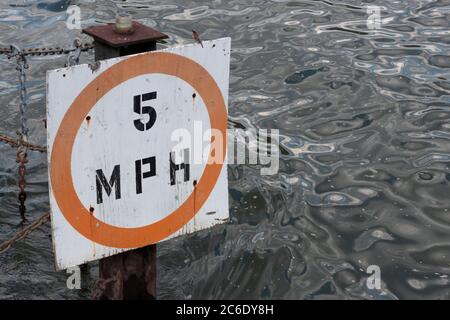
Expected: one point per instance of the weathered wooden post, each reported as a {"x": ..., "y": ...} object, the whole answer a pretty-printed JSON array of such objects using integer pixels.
[{"x": 132, "y": 274}]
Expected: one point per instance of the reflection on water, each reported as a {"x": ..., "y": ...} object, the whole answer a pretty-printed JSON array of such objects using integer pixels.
[{"x": 365, "y": 149}]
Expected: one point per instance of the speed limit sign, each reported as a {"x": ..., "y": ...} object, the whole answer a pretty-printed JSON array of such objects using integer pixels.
[{"x": 137, "y": 150}]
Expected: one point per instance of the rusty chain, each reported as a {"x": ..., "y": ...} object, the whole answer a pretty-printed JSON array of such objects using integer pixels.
[
  {"x": 21, "y": 156},
  {"x": 22, "y": 143},
  {"x": 48, "y": 50},
  {"x": 15, "y": 143},
  {"x": 22, "y": 234},
  {"x": 22, "y": 161},
  {"x": 21, "y": 66}
]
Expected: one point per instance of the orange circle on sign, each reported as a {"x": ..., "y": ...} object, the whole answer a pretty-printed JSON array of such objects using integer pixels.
[{"x": 60, "y": 166}]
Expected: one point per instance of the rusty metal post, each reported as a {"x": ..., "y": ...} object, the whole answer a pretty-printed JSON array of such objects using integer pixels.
[{"x": 132, "y": 274}]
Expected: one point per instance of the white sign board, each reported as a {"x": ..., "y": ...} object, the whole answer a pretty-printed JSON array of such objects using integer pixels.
[{"x": 135, "y": 151}]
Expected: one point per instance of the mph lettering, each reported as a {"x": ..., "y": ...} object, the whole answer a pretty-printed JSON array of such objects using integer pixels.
[{"x": 144, "y": 168}]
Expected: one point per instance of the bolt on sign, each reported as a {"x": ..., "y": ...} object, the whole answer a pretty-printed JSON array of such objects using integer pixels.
[{"x": 137, "y": 150}]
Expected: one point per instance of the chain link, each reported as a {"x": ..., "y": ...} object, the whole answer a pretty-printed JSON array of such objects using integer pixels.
[
  {"x": 49, "y": 51},
  {"x": 5, "y": 50},
  {"x": 22, "y": 143},
  {"x": 21, "y": 157},
  {"x": 22, "y": 234},
  {"x": 22, "y": 160},
  {"x": 21, "y": 66},
  {"x": 15, "y": 143}
]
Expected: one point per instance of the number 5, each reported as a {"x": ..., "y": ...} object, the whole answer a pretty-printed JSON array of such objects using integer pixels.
[{"x": 144, "y": 110}]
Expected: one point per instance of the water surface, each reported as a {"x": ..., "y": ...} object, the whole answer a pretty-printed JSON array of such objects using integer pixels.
[{"x": 365, "y": 141}]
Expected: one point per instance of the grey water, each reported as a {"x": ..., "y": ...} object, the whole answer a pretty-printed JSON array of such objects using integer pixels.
[{"x": 364, "y": 128}]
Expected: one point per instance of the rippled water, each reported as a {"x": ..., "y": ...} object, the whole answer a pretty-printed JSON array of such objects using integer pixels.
[{"x": 365, "y": 140}]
